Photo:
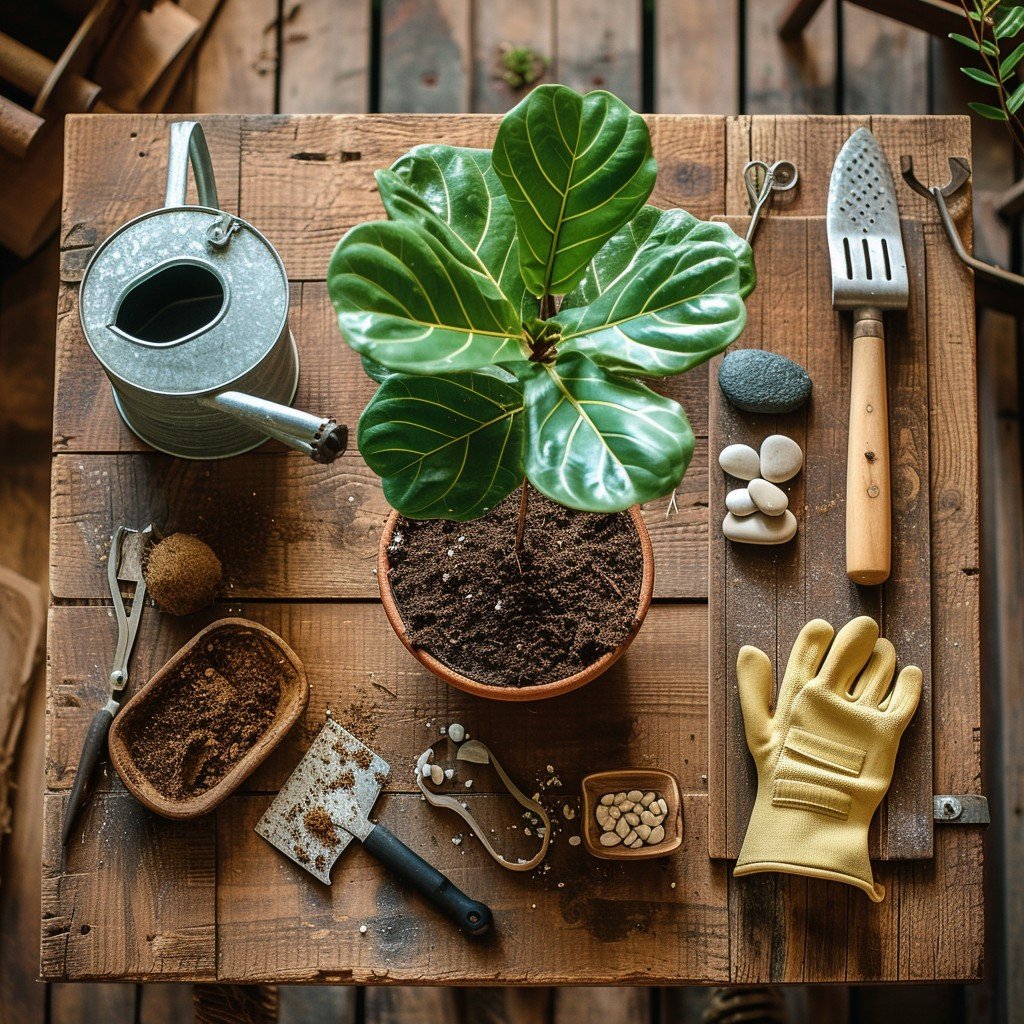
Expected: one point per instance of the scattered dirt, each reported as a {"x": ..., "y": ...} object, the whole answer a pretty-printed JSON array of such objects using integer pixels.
[
  {"x": 320, "y": 826},
  {"x": 571, "y": 598},
  {"x": 222, "y": 699},
  {"x": 182, "y": 574}
]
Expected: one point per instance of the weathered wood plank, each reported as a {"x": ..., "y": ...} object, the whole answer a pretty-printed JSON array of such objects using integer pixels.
[
  {"x": 325, "y": 57},
  {"x": 885, "y": 64},
  {"x": 599, "y": 47},
  {"x": 764, "y": 596},
  {"x": 113, "y": 1003},
  {"x": 388, "y": 1004},
  {"x": 358, "y": 668},
  {"x": 292, "y": 529},
  {"x": 425, "y": 56},
  {"x": 322, "y": 1004},
  {"x": 142, "y": 927},
  {"x": 607, "y": 922},
  {"x": 799, "y": 77},
  {"x": 696, "y": 65},
  {"x": 236, "y": 66}
]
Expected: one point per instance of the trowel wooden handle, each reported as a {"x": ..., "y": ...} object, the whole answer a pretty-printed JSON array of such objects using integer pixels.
[{"x": 868, "y": 503}]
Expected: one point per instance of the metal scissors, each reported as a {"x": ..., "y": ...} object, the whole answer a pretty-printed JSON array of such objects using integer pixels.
[
  {"x": 762, "y": 179},
  {"x": 124, "y": 565}
]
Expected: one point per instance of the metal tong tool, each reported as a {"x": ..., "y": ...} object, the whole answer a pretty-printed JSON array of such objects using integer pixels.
[
  {"x": 761, "y": 180},
  {"x": 124, "y": 565},
  {"x": 1003, "y": 282}
]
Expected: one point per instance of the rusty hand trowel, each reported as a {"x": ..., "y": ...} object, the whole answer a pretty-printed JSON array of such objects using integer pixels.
[
  {"x": 327, "y": 801},
  {"x": 869, "y": 275}
]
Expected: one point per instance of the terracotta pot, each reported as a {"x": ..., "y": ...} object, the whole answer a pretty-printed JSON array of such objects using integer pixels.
[
  {"x": 540, "y": 692},
  {"x": 292, "y": 703}
]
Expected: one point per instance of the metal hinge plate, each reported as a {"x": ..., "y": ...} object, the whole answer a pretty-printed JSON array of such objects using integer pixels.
[{"x": 967, "y": 809}]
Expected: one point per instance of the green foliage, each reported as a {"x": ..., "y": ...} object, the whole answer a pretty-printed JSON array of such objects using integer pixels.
[
  {"x": 522, "y": 66},
  {"x": 993, "y": 26},
  {"x": 452, "y": 304}
]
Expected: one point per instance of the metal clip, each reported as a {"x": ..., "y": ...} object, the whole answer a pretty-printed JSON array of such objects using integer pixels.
[
  {"x": 967, "y": 809},
  {"x": 219, "y": 233}
]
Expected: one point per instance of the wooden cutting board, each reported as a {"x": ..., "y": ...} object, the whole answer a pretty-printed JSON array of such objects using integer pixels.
[{"x": 764, "y": 595}]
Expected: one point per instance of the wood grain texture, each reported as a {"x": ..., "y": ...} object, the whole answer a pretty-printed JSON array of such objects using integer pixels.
[
  {"x": 696, "y": 67},
  {"x": 617, "y": 923},
  {"x": 885, "y": 64},
  {"x": 763, "y": 596},
  {"x": 358, "y": 668},
  {"x": 527, "y": 24},
  {"x": 599, "y": 47},
  {"x": 426, "y": 48},
  {"x": 304, "y": 181},
  {"x": 325, "y": 57}
]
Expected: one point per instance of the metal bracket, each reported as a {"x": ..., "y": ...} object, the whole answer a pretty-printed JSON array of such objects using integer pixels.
[{"x": 967, "y": 809}]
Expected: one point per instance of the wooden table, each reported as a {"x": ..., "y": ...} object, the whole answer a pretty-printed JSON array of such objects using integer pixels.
[{"x": 143, "y": 898}]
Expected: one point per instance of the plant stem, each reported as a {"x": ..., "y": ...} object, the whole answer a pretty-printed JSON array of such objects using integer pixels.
[
  {"x": 524, "y": 499},
  {"x": 1013, "y": 123}
]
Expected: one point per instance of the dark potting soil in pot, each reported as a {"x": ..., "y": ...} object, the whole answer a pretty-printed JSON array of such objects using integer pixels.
[
  {"x": 222, "y": 698},
  {"x": 571, "y": 598}
]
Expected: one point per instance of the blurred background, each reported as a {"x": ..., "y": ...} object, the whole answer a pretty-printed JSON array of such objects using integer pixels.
[{"x": 325, "y": 56}]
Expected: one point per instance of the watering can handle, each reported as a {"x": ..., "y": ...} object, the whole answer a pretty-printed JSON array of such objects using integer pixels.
[{"x": 188, "y": 145}]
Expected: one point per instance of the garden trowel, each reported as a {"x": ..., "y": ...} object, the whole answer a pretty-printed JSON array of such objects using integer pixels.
[
  {"x": 869, "y": 275},
  {"x": 326, "y": 802}
]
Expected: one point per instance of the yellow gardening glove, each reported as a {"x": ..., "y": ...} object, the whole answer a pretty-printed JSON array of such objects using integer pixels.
[{"x": 825, "y": 755}]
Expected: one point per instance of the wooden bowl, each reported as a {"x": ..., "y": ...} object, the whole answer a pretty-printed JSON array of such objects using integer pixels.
[
  {"x": 292, "y": 703},
  {"x": 515, "y": 693},
  {"x": 663, "y": 783}
]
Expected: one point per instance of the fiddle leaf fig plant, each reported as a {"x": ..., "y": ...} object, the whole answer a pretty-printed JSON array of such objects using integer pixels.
[{"x": 511, "y": 304}]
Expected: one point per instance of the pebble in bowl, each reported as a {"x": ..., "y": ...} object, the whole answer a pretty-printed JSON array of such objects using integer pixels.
[{"x": 650, "y": 795}]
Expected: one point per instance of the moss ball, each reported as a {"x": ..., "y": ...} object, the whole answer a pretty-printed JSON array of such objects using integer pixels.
[{"x": 182, "y": 574}]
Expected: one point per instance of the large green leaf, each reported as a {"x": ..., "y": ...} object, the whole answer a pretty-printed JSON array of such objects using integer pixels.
[
  {"x": 575, "y": 168},
  {"x": 406, "y": 302},
  {"x": 446, "y": 447},
  {"x": 670, "y": 309},
  {"x": 459, "y": 188},
  {"x": 598, "y": 442},
  {"x": 663, "y": 227}
]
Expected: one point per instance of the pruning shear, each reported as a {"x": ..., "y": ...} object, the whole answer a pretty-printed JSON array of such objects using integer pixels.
[
  {"x": 762, "y": 179},
  {"x": 124, "y": 565}
]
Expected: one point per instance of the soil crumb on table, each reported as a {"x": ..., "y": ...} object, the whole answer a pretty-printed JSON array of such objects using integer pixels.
[
  {"x": 572, "y": 597},
  {"x": 209, "y": 714}
]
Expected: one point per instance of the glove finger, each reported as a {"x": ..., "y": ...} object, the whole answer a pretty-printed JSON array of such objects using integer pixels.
[
  {"x": 873, "y": 683},
  {"x": 905, "y": 696},
  {"x": 849, "y": 653},
  {"x": 804, "y": 659},
  {"x": 754, "y": 679}
]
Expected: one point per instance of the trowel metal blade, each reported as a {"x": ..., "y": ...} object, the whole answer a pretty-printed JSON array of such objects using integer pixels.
[{"x": 339, "y": 776}]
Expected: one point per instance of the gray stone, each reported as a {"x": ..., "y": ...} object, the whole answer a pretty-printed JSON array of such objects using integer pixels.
[
  {"x": 758, "y": 381},
  {"x": 740, "y": 461},
  {"x": 771, "y": 500}
]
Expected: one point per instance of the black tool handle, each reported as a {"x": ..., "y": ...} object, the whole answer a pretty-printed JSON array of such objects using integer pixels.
[
  {"x": 474, "y": 917},
  {"x": 92, "y": 749}
]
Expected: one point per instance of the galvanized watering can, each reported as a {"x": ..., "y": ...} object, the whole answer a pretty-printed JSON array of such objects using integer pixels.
[{"x": 186, "y": 308}]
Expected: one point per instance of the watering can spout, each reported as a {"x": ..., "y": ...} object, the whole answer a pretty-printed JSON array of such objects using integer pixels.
[{"x": 322, "y": 439}]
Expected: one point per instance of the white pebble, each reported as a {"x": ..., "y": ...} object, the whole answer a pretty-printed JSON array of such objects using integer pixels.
[
  {"x": 759, "y": 528},
  {"x": 649, "y": 819},
  {"x": 608, "y": 799},
  {"x": 657, "y": 834},
  {"x": 740, "y": 503},
  {"x": 633, "y": 819},
  {"x": 568, "y": 812},
  {"x": 771, "y": 500},
  {"x": 574, "y": 840},
  {"x": 615, "y": 812},
  {"x": 620, "y": 798},
  {"x": 633, "y": 795},
  {"x": 643, "y": 831},
  {"x": 610, "y": 839},
  {"x": 456, "y": 732},
  {"x": 362, "y": 929},
  {"x": 469, "y": 783},
  {"x": 449, "y": 773},
  {"x": 740, "y": 461},
  {"x": 662, "y": 805},
  {"x": 781, "y": 458},
  {"x": 647, "y": 799},
  {"x": 622, "y": 827}
]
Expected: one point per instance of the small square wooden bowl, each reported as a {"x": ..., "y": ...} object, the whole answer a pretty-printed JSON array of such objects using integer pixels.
[{"x": 621, "y": 780}]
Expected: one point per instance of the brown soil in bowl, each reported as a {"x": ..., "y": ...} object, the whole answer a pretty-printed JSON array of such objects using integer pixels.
[
  {"x": 223, "y": 698},
  {"x": 571, "y": 598}
]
